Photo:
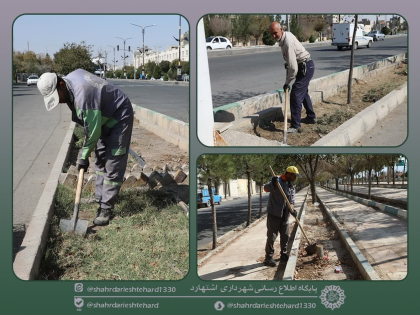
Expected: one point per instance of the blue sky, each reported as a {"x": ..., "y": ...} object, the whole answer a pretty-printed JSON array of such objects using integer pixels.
[{"x": 48, "y": 33}]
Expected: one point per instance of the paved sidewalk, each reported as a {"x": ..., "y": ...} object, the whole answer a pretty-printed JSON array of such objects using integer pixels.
[
  {"x": 390, "y": 193},
  {"x": 395, "y": 124},
  {"x": 381, "y": 238},
  {"x": 242, "y": 259}
]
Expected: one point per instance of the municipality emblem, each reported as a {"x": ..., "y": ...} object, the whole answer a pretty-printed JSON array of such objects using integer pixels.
[{"x": 332, "y": 297}]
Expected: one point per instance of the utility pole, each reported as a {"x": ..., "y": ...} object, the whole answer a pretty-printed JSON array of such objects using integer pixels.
[
  {"x": 143, "y": 28},
  {"x": 179, "y": 76},
  {"x": 157, "y": 49},
  {"x": 113, "y": 48},
  {"x": 124, "y": 40}
]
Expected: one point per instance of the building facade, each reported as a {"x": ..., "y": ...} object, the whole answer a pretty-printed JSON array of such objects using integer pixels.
[{"x": 171, "y": 53}]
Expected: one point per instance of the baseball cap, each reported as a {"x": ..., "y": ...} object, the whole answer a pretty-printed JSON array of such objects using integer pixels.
[
  {"x": 293, "y": 170},
  {"x": 47, "y": 85}
]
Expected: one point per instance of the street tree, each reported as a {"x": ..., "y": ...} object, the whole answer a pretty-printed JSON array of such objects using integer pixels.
[
  {"x": 157, "y": 72},
  {"x": 150, "y": 67},
  {"x": 74, "y": 56},
  {"x": 353, "y": 164},
  {"x": 262, "y": 172},
  {"x": 391, "y": 160},
  {"x": 165, "y": 65},
  {"x": 220, "y": 26},
  {"x": 336, "y": 168},
  {"x": 208, "y": 166},
  {"x": 259, "y": 23},
  {"x": 308, "y": 164}
]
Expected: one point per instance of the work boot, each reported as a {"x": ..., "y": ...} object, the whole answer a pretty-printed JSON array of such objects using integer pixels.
[
  {"x": 269, "y": 262},
  {"x": 293, "y": 130},
  {"x": 308, "y": 120},
  {"x": 284, "y": 257},
  {"x": 102, "y": 217}
]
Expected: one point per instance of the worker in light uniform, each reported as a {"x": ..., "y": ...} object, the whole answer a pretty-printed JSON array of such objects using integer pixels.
[
  {"x": 106, "y": 115},
  {"x": 278, "y": 213},
  {"x": 300, "y": 67}
]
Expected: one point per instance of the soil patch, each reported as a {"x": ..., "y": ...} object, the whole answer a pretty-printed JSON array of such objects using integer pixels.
[
  {"x": 335, "y": 111},
  {"x": 319, "y": 228}
]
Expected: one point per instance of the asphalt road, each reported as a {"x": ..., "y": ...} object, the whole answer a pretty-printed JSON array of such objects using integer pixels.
[
  {"x": 37, "y": 139},
  {"x": 229, "y": 215},
  {"x": 170, "y": 100},
  {"x": 234, "y": 78}
]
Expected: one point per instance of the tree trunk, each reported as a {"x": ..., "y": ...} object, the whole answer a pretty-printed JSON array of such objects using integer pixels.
[
  {"x": 261, "y": 188},
  {"x": 352, "y": 60},
  {"x": 313, "y": 189},
  {"x": 351, "y": 182},
  {"x": 213, "y": 213},
  {"x": 369, "y": 183},
  {"x": 393, "y": 175},
  {"x": 248, "y": 221},
  {"x": 336, "y": 184},
  {"x": 403, "y": 173}
]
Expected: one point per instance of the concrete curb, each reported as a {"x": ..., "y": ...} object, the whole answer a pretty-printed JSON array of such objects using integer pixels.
[
  {"x": 258, "y": 49},
  {"x": 28, "y": 259},
  {"x": 182, "y": 83},
  {"x": 384, "y": 186},
  {"x": 353, "y": 129},
  {"x": 289, "y": 272},
  {"x": 362, "y": 263},
  {"x": 384, "y": 208},
  {"x": 170, "y": 129},
  {"x": 230, "y": 240}
]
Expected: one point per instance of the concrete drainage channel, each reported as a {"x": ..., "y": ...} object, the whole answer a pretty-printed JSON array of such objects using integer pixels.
[
  {"x": 232, "y": 119},
  {"x": 28, "y": 259},
  {"x": 338, "y": 262}
]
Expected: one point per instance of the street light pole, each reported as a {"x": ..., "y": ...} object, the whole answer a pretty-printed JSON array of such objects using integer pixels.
[
  {"x": 179, "y": 76},
  {"x": 143, "y": 28},
  {"x": 124, "y": 40},
  {"x": 113, "y": 47}
]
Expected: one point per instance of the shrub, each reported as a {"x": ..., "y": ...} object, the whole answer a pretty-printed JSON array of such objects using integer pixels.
[{"x": 312, "y": 38}]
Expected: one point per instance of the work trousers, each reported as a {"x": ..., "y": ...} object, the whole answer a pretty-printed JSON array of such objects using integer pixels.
[
  {"x": 299, "y": 94},
  {"x": 111, "y": 161},
  {"x": 274, "y": 227}
]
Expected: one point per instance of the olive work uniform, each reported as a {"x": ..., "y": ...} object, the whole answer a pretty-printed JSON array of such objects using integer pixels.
[
  {"x": 106, "y": 115},
  {"x": 278, "y": 215},
  {"x": 299, "y": 66}
]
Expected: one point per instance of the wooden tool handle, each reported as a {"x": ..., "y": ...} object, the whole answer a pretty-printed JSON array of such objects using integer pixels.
[
  {"x": 79, "y": 186},
  {"x": 77, "y": 201},
  {"x": 285, "y": 116},
  {"x": 289, "y": 205}
]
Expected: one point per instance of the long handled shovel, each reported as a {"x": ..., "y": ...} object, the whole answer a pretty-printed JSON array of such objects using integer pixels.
[
  {"x": 310, "y": 249},
  {"x": 75, "y": 225},
  {"x": 286, "y": 104}
]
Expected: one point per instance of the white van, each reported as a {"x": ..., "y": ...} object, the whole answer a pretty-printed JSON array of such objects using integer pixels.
[{"x": 343, "y": 36}]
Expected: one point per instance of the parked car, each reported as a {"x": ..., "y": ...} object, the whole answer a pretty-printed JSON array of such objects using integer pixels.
[
  {"x": 377, "y": 35},
  {"x": 161, "y": 78},
  {"x": 218, "y": 42},
  {"x": 343, "y": 36},
  {"x": 203, "y": 198},
  {"x": 152, "y": 79},
  {"x": 33, "y": 79},
  {"x": 185, "y": 77}
]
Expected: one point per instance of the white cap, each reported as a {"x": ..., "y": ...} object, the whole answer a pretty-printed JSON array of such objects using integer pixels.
[{"x": 47, "y": 85}]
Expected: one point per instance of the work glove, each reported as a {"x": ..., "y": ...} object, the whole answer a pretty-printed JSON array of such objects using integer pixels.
[
  {"x": 83, "y": 164},
  {"x": 274, "y": 181},
  {"x": 294, "y": 213},
  {"x": 286, "y": 87}
]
